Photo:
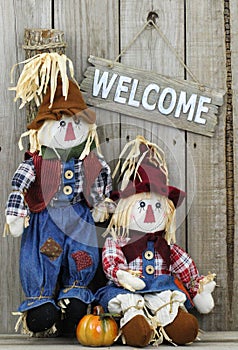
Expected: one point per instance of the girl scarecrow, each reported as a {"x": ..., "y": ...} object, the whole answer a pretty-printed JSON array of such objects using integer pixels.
[
  {"x": 62, "y": 178},
  {"x": 152, "y": 281}
]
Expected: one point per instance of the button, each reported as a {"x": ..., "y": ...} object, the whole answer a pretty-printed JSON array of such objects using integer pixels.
[
  {"x": 150, "y": 269},
  {"x": 149, "y": 255},
  {"x": 68, "y": 174},
  {"x": 67, "y": 190}
]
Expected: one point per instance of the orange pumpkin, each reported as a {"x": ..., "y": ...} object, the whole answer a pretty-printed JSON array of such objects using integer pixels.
[{"x": 97, "y": 329}]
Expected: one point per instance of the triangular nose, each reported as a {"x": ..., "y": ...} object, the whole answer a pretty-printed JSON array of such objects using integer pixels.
[
  {"x": 69, "y": 135},
  {"x": 149, "y": 216}
]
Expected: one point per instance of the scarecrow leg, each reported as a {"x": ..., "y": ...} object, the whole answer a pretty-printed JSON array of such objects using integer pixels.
[
  {"x": 135, "y": 327},
  {"x": 170, "y": 314},
  {"x": 73, "y": 312},
  {"x": 42, "y": 318}
]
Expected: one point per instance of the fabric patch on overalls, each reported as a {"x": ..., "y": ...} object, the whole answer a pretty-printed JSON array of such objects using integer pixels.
[
  {"x": 51, "y": 249},
  {"x": 82, "y": 260}
]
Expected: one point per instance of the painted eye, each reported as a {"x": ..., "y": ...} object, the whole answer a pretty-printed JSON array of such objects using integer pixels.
[
  {"x": 62, "y": 123},
  {"x": 158, "y": 205},
  {"x": 77, "y": 121},
  {"x": 142, "y": 204}
]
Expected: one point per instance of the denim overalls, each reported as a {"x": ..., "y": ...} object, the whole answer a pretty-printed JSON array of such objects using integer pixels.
[{"x": 59, "y": 254}]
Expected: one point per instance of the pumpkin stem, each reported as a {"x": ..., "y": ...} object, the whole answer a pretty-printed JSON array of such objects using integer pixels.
[{"x": 98, "y": 310}]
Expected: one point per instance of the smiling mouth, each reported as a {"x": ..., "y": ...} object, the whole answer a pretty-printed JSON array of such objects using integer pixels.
[
  {"x": 143, "y": 227},
  {"x": 79, "y": 140}
]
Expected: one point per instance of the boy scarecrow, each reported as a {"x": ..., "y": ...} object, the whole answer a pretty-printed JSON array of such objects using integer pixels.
[
  {"x": 152, "y": 281},
  {"x": 62, "y": 179}
]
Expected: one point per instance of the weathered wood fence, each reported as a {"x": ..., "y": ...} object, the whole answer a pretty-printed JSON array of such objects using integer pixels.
[{"x": 204, "y": 34}]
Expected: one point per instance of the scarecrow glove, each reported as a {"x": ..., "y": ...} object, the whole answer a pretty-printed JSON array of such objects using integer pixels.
[
  {"x": 16, "y": 225},
  {"x": 129, "y": 281},
  {"x": 100, "y": 212},
  {"x": 203, "y": 301}
]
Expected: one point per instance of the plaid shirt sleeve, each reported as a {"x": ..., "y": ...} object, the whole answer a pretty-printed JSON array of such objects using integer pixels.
[
  {"x": 21, "y": 181},
  {"x": 185, "y": 269},
  {"x": 102, "y": 186},
  {"x": 113, "y": 259}
]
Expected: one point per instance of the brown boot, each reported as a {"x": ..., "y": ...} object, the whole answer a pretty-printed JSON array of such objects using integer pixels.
[
  {"x": 184, "y": 328},
  {"x": 137, "y": 331}
]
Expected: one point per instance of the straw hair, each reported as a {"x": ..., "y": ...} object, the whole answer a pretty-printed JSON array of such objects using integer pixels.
[
  {"x": 134, "y": 158},
  {"x": 39, "y": 72},
  {"x": 92, "y": 137}
]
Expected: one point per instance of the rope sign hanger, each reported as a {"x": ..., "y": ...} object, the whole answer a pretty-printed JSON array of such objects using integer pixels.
[
  {"x": 150, "y": 22},
  {"x": 148, "y": 95}
]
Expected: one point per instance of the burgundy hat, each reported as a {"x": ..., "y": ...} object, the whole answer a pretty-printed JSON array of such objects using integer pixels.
[
  {"x": 73, "y": 105},
  {"x": 151, "y": 179}
]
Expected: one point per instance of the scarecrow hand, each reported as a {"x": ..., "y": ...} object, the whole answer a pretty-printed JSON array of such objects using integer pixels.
[
  {"x": 101, "y": 211},
  {"x": 203, "y": 301},
  {"x": 16, "y": 225},
  {"x": 135, "y": 273},
  {"x": 129, "y": 281}
]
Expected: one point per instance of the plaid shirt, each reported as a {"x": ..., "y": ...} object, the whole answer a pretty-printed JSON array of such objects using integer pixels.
[
  {"x": 25, "y": 176},
  {"x": 182, "y": 266}
]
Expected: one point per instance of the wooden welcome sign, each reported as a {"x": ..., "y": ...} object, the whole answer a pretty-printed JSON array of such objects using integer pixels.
[{"x": 151, "y": 96}]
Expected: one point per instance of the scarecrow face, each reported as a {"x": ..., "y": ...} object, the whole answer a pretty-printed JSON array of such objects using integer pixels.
[
  {"x": 149, "y": 215},
  {"x": 65, "y": 133}
]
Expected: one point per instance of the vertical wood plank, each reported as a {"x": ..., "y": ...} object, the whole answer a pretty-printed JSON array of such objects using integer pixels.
[
  {"x": 15, "y": 16},
  {"x": 207, "y": 218},
  {"x": 92, "y": 28},
  {"x": 233, "y": 12},
  {"x": 150, "y": 52}
]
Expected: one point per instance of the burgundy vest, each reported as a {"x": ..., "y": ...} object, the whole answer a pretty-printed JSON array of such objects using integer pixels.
[
  {"x": 48, "y": 178},
  {"x": 47, "y": 181}
]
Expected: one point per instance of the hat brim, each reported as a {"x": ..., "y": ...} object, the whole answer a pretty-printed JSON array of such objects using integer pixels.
[
  {"x": 74, "y": 104},
  {"x": 173, "y": 193},
  {"x": 87, "y": 114}
]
